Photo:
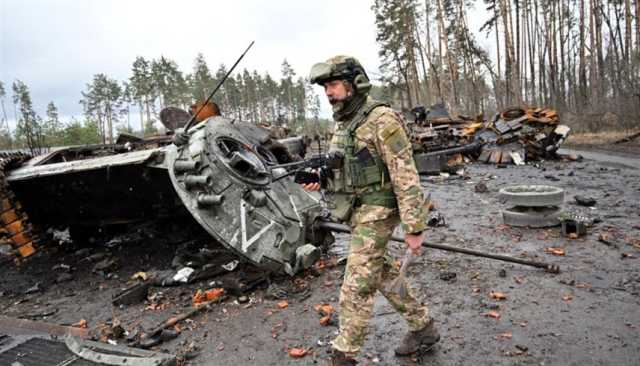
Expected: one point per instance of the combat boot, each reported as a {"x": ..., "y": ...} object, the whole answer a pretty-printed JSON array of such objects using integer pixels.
[
  {"x": 340, "y": 359},
  {"x": 413, "y": 341}
]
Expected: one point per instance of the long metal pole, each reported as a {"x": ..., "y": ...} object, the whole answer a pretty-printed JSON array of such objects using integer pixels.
[
  {"x": 342, "y": 228},
  {"x": 193, "y": 118}
]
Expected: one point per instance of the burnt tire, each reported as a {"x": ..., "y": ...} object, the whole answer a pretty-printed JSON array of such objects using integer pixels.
[
  {"x": 532, "y": 196},
  {"x": 532, "y": 217}
]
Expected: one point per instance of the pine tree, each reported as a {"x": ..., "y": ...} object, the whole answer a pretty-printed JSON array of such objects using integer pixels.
[
  {"x": 28, "y": 130},
  {"x": 102, "y": 102},
  {"x": 141, "y": 83},
  {"x": 6, "y": 142},
  {"x": 52, "y": 128},
  {"x": 200, "y": 81}
]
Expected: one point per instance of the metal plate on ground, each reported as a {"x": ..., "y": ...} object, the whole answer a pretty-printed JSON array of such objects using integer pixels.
[{"x": 41, "y": 352}]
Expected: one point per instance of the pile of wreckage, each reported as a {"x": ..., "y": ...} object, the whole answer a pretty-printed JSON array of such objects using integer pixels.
[{"x": 514, "y": 136}]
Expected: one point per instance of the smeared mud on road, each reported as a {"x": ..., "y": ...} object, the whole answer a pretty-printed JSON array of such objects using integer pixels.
[{"x": 587, "y": 314}]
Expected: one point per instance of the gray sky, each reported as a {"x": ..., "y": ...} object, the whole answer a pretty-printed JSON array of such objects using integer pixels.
[{"x": 56, "y": 47}]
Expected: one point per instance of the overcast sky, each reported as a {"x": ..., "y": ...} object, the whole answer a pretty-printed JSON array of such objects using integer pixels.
[{"x": 56, "y": 47}]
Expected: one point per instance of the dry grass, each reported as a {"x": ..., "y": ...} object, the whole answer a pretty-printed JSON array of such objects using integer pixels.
[{"x": 600, "y": 138}]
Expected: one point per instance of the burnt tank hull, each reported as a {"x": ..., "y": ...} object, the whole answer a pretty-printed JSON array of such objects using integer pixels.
[{"x": 221, "y": 178}]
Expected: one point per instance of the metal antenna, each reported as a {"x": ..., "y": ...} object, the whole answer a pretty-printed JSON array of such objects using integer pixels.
[{"x": 193, "y": 118}]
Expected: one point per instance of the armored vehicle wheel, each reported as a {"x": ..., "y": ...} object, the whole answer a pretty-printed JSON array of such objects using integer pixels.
[
  {"x": 532, "y": 196},
  {"x": 532, "y": 217}
]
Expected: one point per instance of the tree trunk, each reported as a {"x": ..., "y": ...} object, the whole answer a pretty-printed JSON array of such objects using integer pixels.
[
  {"x": 628, "y": 30},
  {"x": 582, "y": 67},
  {"x": 141, "y": 118},
  {"x": 146, "y": 102},
  {"x": 637, "y": 3},
  {"x": 509, "y": 52},
  {"x": 532, "y": 54},
  {"x": 499, "y": 100}
]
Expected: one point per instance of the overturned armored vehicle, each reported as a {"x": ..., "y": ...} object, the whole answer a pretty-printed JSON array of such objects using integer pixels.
[{"x": 222, "y": 176}]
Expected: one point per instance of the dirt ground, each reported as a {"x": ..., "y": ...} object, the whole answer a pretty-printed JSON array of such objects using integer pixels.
[{"x": 589, "y": 314}]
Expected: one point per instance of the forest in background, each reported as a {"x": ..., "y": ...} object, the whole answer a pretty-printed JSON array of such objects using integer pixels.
[
  {"x": 581, "y": 57},
  {"x": 108, "y": 104}
]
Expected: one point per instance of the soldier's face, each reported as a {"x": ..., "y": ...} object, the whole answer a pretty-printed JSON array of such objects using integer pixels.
[{"x": 337, "y": 91}]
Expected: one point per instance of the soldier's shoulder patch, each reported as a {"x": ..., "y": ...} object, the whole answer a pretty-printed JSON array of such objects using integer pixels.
[
  {"x": 388, "y": 129},
  {"x": 393, "y": 136}
]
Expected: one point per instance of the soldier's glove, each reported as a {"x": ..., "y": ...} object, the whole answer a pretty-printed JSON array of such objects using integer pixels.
[{"x": 180, "y": 138}]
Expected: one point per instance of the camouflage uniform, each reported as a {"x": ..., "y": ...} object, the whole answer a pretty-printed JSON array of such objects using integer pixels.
[
  {"x": 368, "y": 267},
  {"x": 376, "y": 187}
]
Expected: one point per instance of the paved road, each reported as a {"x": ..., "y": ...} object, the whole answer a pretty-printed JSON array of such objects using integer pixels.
[{"x": 606, "y": 157}]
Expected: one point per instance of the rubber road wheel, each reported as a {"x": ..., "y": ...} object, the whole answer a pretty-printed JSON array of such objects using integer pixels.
[
  {"x": 532, "y": 217},
  {"x": 532, "y": 196}
]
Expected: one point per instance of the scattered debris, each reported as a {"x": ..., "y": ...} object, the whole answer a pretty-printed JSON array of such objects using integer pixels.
[
  {"x": 605, "y": 239},
  {"x": 497, "y": 295},
  {"x": 105, "y": 265},
  {"x": 481, "y": 187},
  {"x": 298, "y": 352},
  {"x": 283, "y": 304},
  {"x": 140, "y": 276},
  {"x": 132, "y": 295},
  {"x": 585, "y": 201},
  {"x": 492, "y": 314},
  {"x": 206, "y": 296},
  {"x": 505, "y": 335},
  {"x": 82, "y": 323},
  {"x": 574, "y": 226},
  {"x": 101, "y": 353},
  {"x": 33, "y": 289},
  {"x": 183, "y": 274},
  {"x": 64, "y": 277},
  {"x": 555, "y": 251},
  {"x": 448, "y": 276},
  {"x": 436, "y": 219}
]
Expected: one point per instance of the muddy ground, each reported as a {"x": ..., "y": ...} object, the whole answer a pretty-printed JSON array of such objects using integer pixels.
[{"x": 589, "y": 314}]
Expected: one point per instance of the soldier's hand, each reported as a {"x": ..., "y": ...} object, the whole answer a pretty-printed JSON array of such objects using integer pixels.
[
  {"x": 414, "y": 242},
  {"x": 314, "y": 186},
  {"x": 311, "y": 187}
]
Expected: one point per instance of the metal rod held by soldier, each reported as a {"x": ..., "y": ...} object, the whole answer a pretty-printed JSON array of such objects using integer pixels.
[
  {"x": 450, "y": 248},
  {"x": 193, "y": 117}
]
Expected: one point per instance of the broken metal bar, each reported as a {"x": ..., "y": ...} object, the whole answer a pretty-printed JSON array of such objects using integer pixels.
[
  {"x": 178, "y": 318},
  {"x": 552, "y": 268},
  {"x": 20, "y": 326}
]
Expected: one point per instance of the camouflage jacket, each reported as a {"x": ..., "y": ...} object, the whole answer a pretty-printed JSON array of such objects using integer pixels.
[{"x": 383, "y": 132}]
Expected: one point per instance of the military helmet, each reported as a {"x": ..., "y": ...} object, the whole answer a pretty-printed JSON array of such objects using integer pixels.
[{"x": 341, "y": 68}]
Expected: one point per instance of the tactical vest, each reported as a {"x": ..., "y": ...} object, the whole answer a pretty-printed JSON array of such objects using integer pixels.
[{"x": 363, "y": 178}]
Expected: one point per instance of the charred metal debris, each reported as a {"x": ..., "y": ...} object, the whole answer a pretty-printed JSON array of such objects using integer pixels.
[{"x": 514, "y": 136}]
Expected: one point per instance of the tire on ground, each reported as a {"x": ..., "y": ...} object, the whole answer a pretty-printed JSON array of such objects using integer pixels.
[
  {"x": 532, "y": 217},
  {"x": 532, "y": 196}
]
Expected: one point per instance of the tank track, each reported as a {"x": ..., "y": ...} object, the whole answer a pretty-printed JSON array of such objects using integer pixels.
[{"x": 15, "y": 227}]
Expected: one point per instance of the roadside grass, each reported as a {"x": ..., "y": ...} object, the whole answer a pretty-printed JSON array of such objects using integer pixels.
[{"x": 601, "y": 138}]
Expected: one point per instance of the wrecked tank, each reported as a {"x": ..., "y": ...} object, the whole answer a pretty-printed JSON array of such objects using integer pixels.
[
  {"x": 513, "y": 136},
  {"x": 222, "y": 178}
]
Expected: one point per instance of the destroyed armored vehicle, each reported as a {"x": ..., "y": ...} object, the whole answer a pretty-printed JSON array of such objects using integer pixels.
[
  {"x": 515, "y": 135},
  {"x": 223, "y": 177}
]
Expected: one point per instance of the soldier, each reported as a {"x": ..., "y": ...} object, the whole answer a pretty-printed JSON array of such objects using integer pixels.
[{"x": 375, "y": 187}]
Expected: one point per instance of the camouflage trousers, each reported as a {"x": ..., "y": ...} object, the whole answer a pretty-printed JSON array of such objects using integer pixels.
[{"x": 368, "y": 270}]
